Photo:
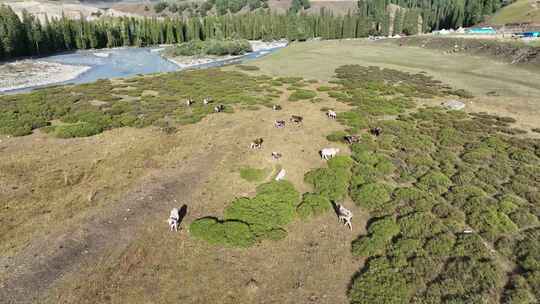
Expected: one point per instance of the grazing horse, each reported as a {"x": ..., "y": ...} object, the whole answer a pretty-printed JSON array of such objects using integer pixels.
[
  {"x": 280, "y": 175},
  {"x": 276, "y": 107},
  {"x": 174, "y": 217},
  {"x": 219, "y": 108},
  {"x": 328, "y": 153},
  {"x": 376, "y": 131},
  {"x": 351, "y": 139},
  {"x": 331, "y": 114},
  {"x": 296, "y": 119},
  {"x": 344, "y": 215},
  {"x": 279, "y": 124},
  {"x": 257, "y": 143},
  {"x": 276, "y": 155}
]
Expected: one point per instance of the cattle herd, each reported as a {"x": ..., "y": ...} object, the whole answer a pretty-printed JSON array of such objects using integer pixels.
[{"x": 344, "y": 215}]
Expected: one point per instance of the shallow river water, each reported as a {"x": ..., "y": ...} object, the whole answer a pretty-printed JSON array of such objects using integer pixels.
[{"x": 130, "y": 61}]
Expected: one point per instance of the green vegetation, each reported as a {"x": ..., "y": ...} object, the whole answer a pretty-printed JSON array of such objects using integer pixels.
[
  {"x": 331, "y": 182},
  {"x": 253, "y": 175},
  {"x": 431, "y": 175},
  {"x": 247, "y": 220},
  {"x": 209, "y": 47},
  {"x": 313, "y": 205},
  {"x": 300, "y": 94},
  {"x": 26, "y": 36},
  {"x": 125, "y": 104}
]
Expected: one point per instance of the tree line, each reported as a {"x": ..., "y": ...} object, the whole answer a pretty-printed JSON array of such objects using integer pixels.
[{"x": 27, "y": 36}]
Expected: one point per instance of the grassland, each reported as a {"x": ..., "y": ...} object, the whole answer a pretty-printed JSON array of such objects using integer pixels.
[
  {"x": 93, "y": 209},
  {"x": 520, "y": 11}
]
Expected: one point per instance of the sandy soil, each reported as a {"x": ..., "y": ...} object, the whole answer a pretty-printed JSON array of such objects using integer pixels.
[{"x": 29, "y": 73}]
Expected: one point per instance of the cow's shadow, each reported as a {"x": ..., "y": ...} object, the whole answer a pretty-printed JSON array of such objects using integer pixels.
[{"x": 182, "y": 212}]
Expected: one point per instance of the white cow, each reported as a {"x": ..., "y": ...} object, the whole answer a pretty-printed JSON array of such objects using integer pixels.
[
  {"x": 328, "y": 153},
  {"x": 280, "y": 175},
  {"x": 345, "y": 215},
  {"x": 174, "y": 217},
  {"x": 331, "y": 114}
]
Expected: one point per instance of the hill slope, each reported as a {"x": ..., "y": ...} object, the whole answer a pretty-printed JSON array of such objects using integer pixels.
[{"x": 518, "y": 12}]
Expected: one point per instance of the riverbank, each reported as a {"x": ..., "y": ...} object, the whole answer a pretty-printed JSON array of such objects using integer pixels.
[
  {"x": 199, "y": 60},
  {"x": 31, "y": 73}
]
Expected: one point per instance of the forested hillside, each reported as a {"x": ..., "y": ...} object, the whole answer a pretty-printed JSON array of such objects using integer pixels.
[{"x": 27, "y": 36}]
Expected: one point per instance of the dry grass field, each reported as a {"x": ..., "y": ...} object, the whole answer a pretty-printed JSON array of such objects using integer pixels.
[{"x": 83, "y": 220}]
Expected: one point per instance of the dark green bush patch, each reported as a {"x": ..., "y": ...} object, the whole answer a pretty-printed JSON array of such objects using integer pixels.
[
  {"x": 247, "y": 220},
  {"x": 272, "y": 208},
  {"x": 372, "y": 195},
  {"x": 380, "y": 234},
  {"x": 301, "y": 94},
  {"x": 380, "y": 282},
  {"x": 230, "y": 233},
  {"x": 331, "y": 182},
  {"x": 313, "y": 205},
  {"x": 22, "y": 113}
]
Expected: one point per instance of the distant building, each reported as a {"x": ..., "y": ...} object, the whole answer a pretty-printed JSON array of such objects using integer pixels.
[{"x": 482, "y": 31}]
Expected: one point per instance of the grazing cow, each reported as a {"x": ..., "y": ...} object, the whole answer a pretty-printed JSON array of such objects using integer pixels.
[
  {"x": 174, "y": 217},
  {"x": 351, "y": 139},
  {"x": 219, "y": 108},
  {"x": 344, "y": 215},
  {"x": 331, "y": 114},
  {"x": 279, "y": 124},
  {"x": 280, "y": 175},
  {"x": 207, "y": 100},
  {"x": 189, "y": 102},
  {"x": 276, "y": 155},
  {"x": 376, "y": 131},
  {"x": 296, "y": 119},
  {"x": 328, "y": 153},
  {"x": 276, "y": 107},
  {"x": 257, "y": 143}
]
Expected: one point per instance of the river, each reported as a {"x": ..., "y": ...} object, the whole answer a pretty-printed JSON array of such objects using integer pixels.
[{"x": 115, "y": 63}]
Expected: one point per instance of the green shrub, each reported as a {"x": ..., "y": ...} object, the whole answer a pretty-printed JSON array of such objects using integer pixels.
[
  {"x": 231, "y": 233},
  {"x": 331, "y": 182},
  {"x": 253, "y": 175},
  {"x": 324, "y": 88},
  {"x": 380, "y": 282},
  {"x": 371, "y": 196},
  {"x": 380, "y": 234},
  {"x": 491, "y": 222},
  {"x": 301, "y": 94},
  {"x": 209, "y": 47},
  {"x": 354, "y": 120},
  {"x": 406, "y": 248},
  {"x": 272, "y": 207},
  {"x": 466, "y": 279},
  {"x": 434, "y": 182},
  {"x": 82, "y": 129},
  {"x": 336, "y": 136},
  {"x": 440, "y": 245},
  {"x": 420, "y": 225},
  {"x": 518, "y": 292},
  {"x": 313, "y": 205}
]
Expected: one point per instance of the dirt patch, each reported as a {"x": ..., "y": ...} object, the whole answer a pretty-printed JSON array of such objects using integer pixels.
[{"x": 121, "y": 244}]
